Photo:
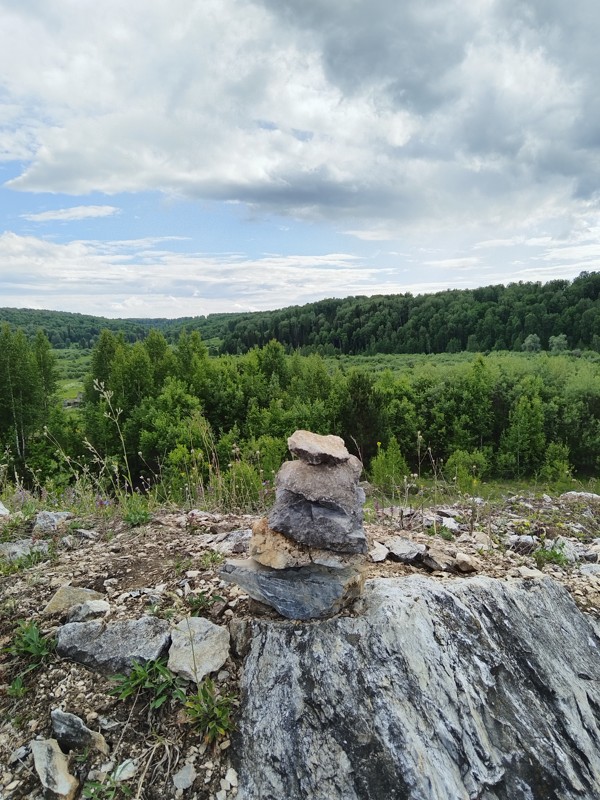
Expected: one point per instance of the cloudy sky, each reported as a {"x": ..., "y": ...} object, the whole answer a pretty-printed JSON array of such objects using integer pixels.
[{"x": 180, "y": 158}]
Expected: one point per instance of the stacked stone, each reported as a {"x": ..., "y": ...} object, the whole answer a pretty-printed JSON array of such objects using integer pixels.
[{"x": 306, "y": 557}]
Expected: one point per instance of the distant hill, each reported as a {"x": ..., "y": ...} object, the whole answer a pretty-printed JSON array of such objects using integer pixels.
[{"x": 489, "y": 318}]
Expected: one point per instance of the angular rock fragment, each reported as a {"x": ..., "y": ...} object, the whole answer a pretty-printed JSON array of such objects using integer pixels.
[
  {"x": 316, "y": 449},
  {"x": 198, "y": 647},
  {"x": 404, "y": 550},
  {"x": 4, "y": 512},
  {"x": 52, "y": 767},
  {"x": 91, "y": 609},
  {"x": 50, "y": 521},
  {"x": 20, "y": 548},
  {"x": 523, "y": 544},
  {"x": 68, "y": 596},
  {"x": 335, "y": 484},
  {"x": 273, "y": 549},
  {"x": 113, "y": 648},
  {"x": 438, "y": 560},
  {"x": 72, "y": 733},
  {"x": 185, "y": 777},
  {"x": 322, "y": 525},
  {"x": 308, "y": 593},
  {"x": 378, "y": 552}
]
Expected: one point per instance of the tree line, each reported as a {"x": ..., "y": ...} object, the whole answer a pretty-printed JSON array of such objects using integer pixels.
[
  {"x": 560, "y": 314},
  {"x": 175, "y": 416}
]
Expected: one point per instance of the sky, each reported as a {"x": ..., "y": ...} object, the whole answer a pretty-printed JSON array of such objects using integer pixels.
[{"x": 177, "y": 159}]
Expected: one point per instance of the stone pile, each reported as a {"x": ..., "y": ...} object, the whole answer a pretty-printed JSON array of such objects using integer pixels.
[{"x": 306, "y": 557}]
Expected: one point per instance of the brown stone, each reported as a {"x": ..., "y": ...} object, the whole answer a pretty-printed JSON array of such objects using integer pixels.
[
  {"x": 316, "y": 449},
  {"x": 273, "y": 549},
  {"x": 324, "y": 483},
  {"x": 68, "y": 596}
]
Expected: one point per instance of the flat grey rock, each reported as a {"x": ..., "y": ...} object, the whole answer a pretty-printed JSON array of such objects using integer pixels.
[
  {"x": 405, "y": 550},
  {"x": 590, "y": 569},
  {"x": 306, "y": 593},
  {"x": 469, "y": 689},
  {"x": 113, "y": 648},
  {"x": 91, "y": 609},
  {"x": 324, "y": 525},
  {"x": 316, "y": 449},
  {"x": 185, "y": 777},
  {"x": 523, "y": 544},
  {"x": 66, "y": 597},
  {"x": 198, "y": 647}
]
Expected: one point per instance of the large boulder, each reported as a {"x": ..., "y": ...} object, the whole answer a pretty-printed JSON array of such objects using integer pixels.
[{"x": 471, "y": 689}]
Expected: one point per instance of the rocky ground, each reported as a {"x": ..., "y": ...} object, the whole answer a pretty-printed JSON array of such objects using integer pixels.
[{"x": 168, "y": 569}]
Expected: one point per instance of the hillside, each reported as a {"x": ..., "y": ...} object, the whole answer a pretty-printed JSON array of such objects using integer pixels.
[
  {"x": 165, "y": 572},
  {"x": 489, "y": 318}
]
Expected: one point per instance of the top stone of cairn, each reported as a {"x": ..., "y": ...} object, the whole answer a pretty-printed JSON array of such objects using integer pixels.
[{"x": 316, "y": 449}]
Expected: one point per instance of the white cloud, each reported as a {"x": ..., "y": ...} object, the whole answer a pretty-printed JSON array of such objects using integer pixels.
[{"x": 72, "y": 214}]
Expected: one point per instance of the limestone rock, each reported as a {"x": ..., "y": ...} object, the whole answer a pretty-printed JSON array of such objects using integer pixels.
[
  {"x": 52, "y": 767},
  {"x": 198, "y": 647},
  {"x": 378, "y": 552},
  {"x": 436, "y": 691},
  {"x": 4, "y": 512},
  {"x": 580, "y": 496},
  {"x": 113, "y": 648},
  {"x": 439, "y": 560},
  {"x": 21, "y": 547},
  {"x": 405, "y": 550},
  {"x": 523, "y": 544},
  {"x": 68, "y": 596},
  {"x": 308, "y": 593},
  {"x": 91, "y": 609},
  {"x": 322, "y": 525},
  {"x": 467, "y": 563},
  {"x": 50, "y": 521},
  {"x": 590, "y": 569},
  {"x": 73, "y": 734},
  {"x": 316, "y": 449},
  {"x": 185, "y": 777},
  {"x": 331, "y": 484},
  {"x": 273, "y": 549}
]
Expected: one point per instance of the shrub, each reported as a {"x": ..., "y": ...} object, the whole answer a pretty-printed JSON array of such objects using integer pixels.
[
  {"x": 556, "y": 463},
  {"x": 467, "y": 468},
  {"x": 388, "y": 468}
]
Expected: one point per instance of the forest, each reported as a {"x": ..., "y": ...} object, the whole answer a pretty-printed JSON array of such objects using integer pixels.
[
  {"x": 176, "y": 421},
  {"x": 558, "y": 315}
]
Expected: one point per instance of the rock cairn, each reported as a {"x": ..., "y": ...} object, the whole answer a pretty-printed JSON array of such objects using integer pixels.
[{"x": 306, "y": 557}]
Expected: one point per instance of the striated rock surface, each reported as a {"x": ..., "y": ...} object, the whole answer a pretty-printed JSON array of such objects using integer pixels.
[
  {"x": 306, "y": 593},
  {"x": 113, "y": 648},
  {"x": 316, "y": 449},
  {"x": 475, "y": 688}
]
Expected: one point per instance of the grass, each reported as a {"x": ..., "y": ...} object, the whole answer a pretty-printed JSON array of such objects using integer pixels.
[
  {"x": 210, "y": 712},
  {"x": 153, "y": 679}
]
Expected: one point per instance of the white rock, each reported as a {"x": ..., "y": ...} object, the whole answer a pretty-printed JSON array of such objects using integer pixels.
[
  {"x": 52, "y": 767},
  {"x": 126, "y": 770},
  {"x": 185, "y": 777},
  {"x": 378, "y": 552},
  {"x": 4, "y": 512},
  {"x": 198, "y": 647}
]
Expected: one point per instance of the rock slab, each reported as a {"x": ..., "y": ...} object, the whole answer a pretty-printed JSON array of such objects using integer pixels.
[
  {"x": 113, "y": 648},
  {"x": 68, "y": 596},
  {"x": 198, "y": 647},
  {"x": 464, "y": 690},
  {"x": 307, "y": 593}
]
